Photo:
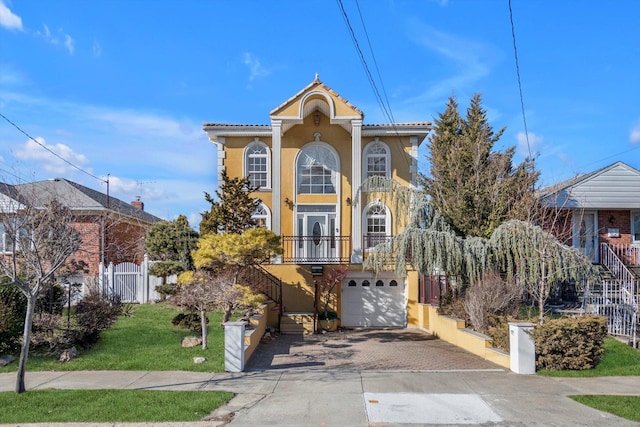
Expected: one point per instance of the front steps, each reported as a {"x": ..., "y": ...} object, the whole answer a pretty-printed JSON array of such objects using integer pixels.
[{"x": 296, "y": 323}]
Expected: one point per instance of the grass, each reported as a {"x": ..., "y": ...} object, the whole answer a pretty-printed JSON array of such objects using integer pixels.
[
  {"x": 145, "y": 341},
  {"x": 618, "y": 360},
  {"x": 623, "y": 406},
  {"x": 108, "y": 405}
]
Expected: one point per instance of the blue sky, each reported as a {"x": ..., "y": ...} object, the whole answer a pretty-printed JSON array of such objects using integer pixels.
[{"x": 122, "y": 88}]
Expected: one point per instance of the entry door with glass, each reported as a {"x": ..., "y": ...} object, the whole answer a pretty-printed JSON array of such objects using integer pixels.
[
  {"x": 585, "y": 234},
  {"x": 316, "y": 233}
]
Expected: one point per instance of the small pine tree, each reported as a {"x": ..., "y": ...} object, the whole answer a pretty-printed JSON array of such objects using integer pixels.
[
  {"x": 234, "y": 208},
  {"x": 171, "y": 243}
]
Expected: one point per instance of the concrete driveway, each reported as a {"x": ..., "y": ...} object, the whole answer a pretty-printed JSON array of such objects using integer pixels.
[{"x": 365, "y": 349}]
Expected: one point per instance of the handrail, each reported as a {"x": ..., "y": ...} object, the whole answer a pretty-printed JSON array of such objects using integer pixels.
[{"x": 627, "y": 280}]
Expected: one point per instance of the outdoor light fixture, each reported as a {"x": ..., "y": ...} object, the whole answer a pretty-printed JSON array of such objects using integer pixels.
[
  {"x": 316, "y": 118},
  {"x": 348, "y": 201},
  {"x": 612, "y": 220},
  {"x": 288, "y": 202}
]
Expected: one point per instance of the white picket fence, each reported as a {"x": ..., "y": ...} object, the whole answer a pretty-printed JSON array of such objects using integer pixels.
[{"x": 130, "y": 281}]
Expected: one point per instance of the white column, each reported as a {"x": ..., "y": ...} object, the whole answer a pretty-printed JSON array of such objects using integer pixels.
[
  {"x": 276, "y": 176},
  {"x": 221, "y": 156},
  {"x": 234, "y": 346},
  {"x": 414, "y": 161},
  {"x": 356, "y": 181}
]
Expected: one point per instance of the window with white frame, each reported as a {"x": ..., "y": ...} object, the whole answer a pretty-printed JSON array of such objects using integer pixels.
[
  {"x": 377, "y": 225},
  {"x": 377, "y": 160},
  {"x": 635, "y": 227},
  {"x": 6, "y": 241},
  {"x": 317, "y": 167},
  {"x": 257, "y": 163},
  {"x": 262, "y": 216}
]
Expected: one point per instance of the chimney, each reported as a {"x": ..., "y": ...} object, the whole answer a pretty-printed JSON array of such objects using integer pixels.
[{"x": 138, "y": 204}]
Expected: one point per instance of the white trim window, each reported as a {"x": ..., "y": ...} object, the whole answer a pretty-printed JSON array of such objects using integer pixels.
[
  {"x": 377, "y": 223},
  {"x": 376, "y": 160},
  {"x": 635, "y": 227},
  {"x": 317, "y": 170},
  {"x": 262, "y": 216},
  {"x": 6, "y": 242},
  {"x": 257, "y": 164}
]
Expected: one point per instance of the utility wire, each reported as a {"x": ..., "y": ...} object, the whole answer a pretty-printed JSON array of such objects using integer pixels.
[
  {"x": 515, "y": 52},
  {"x": 375, "y": 62},
  {"x": 51, "y": 151},
  {"x": 384, "y": 106}
]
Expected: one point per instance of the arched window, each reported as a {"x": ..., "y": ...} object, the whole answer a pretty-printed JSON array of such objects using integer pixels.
[
  {"x": 376, "y": 160},
  {"x": 257, "y": 164},
  {"x": 377, "y": 223},
  {"x": 317, "y": 170},
  {"x": 262, "y": 216}
]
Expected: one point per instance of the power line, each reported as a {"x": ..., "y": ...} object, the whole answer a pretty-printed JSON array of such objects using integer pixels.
[
  {"x": 515, "y": 52},
  {"x": 384, "y": 106},
  {"x": 51, "y": 151}
]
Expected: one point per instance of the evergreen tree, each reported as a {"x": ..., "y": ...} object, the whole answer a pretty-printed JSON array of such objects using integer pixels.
[
  {"x": 170, "y": 243},
  {"x": 234, "y": 208},
  {"x": 474, "y": 187}
]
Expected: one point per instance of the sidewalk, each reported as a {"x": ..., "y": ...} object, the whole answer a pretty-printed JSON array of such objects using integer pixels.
[{"x": 365, "y": 398}]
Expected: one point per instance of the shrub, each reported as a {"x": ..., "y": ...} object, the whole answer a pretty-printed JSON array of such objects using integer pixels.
[
  {"x": 52, "y": 300},
  {"x": 48, "y": 331},
  {"x": 167, "y": 290},
  {"x": 574, "y": 343},
  {"x": 498, "y": 331},
  {"x": 95, "y": 314},
  {"x": 491, "y": 295},
  {"x": 191, "y": 321},
  {"x": 13, "y": 306}
]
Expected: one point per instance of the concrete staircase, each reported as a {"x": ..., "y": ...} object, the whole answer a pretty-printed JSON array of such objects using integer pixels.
[{"x": 296, "y": 323}]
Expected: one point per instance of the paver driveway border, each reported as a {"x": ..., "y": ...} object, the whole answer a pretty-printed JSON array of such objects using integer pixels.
[{"x": 365, "y": 349}]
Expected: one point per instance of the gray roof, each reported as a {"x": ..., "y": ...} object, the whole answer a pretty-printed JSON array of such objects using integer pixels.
[{"x": 75, "y": 197}]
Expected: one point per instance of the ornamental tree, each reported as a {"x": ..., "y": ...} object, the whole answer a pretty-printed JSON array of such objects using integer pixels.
[
  {"x": 170, "y": 243},
  {"x": 232, "y": 212},
  {"x": 40, "y": 240}
]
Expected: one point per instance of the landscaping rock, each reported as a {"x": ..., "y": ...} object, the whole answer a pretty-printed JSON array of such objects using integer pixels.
[
  {"x": 191, "y": 342},
  {"x": 198, "y": 360},
  {"x": 5, "y": 360},
  {"x": 68, "y": 354}
]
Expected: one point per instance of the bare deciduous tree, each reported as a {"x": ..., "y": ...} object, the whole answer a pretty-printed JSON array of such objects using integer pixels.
[{"x": 39, "y": 242}]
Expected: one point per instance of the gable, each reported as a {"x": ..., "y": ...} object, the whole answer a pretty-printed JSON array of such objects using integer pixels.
[{"x": 614, "y": 187}]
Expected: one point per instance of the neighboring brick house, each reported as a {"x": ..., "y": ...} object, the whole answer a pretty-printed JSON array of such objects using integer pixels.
[
  {"x": 310, "y": 162},
  {"x": 600, "y": 214},
  {"x": 112, "y": 231}
]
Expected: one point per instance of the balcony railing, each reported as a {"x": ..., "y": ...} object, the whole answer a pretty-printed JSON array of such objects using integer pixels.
[{"x": 316, "y": 249}]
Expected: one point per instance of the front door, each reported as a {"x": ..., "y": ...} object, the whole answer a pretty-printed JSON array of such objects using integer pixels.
[
  {"x": 316, "y": 237},
  {"x": 585, "y": 234}
]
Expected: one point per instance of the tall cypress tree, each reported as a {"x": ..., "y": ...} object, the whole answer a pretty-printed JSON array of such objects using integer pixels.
[
  {"x": 232, "y": 212},
  {"x": 474, "y": 187}
]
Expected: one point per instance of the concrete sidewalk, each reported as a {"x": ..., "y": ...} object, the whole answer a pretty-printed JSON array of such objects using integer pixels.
[{"x": 365, "y": 398}]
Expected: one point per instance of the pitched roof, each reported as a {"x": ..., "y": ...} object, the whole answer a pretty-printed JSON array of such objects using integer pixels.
[
  {"x": 78, "y": 198},
  {"x": 613, "y": 186}
]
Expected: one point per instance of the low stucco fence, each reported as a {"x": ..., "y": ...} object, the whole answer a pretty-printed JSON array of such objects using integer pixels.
[{"x": 452, "y": 330}]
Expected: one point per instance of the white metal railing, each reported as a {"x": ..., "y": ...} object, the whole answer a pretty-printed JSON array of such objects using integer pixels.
[{"x": 626, "y": 279}]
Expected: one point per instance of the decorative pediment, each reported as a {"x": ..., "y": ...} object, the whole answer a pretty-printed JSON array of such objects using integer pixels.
[{"x": 316, "y": 98}]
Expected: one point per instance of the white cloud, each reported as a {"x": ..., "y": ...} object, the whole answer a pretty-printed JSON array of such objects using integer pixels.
[
  {"x": 60, "y": 38},
  {"x": 528, "y": 145},
  {"x": 255, "y": 68},
  {"x": 69, "y": 43},
  {"x": 634, "y": 136},
  {"x": 97, "y": 49},
  {"x": 42, "y": 153},
  {"x": 8, "y": 19}
]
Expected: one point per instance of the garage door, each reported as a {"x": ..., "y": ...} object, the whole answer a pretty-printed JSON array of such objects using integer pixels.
[{"x": 378, "y": 302}]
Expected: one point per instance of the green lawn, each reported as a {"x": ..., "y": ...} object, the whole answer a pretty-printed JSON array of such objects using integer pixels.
[
  {"x": 623, "y": 406},
  {"x": 44, "y": 406},
  {"x": 618, "y": 360},
  {"x": 145, "y": 341}
]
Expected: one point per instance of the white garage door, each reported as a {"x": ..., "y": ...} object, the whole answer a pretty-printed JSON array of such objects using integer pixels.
[{"x": 378, "y": 302}]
